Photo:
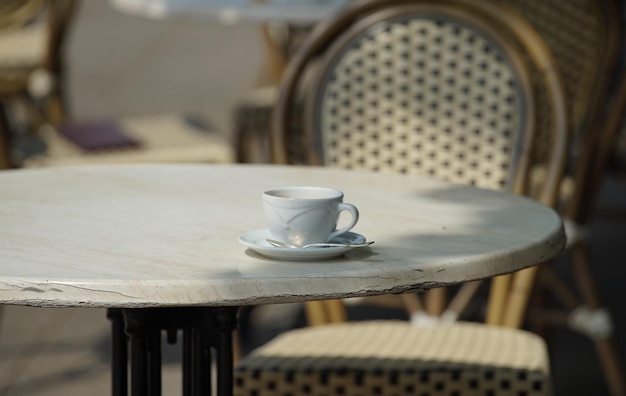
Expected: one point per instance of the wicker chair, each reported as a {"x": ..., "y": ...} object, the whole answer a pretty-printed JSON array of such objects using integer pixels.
[
  {"x": 306, "y": 148},
  {"x": 448, "y": 89},
  {"x": 585, "y": 37},
  {"x": 32, "y": 36}
]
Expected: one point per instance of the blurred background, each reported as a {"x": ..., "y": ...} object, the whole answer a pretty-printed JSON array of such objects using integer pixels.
[
  {"x": 118, "y": 66},
  {"x": 123, "y": 65}
]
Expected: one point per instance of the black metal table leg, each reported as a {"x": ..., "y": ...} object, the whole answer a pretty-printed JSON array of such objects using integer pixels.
[
  {"x": 201, "y": 358},
  {"x": 154, "y": 362},
  {"x": 187, "y": 363},
  {"x": 119, "y": 353},
  {"x": 226, "y": 323},
  {"x": 207, "y": 334},
  {"x": 138, "y": 366},
  {"x": 143, "y": 328}
]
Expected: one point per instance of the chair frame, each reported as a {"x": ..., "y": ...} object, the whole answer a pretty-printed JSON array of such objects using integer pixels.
[
  {"x": 523, "y": 36},
  {"x": 507, "y": 291},
  {"x": 595, "y": 110}
]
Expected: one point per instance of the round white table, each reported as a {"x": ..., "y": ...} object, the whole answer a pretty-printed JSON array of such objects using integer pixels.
[{"x": 158, "y": 245}]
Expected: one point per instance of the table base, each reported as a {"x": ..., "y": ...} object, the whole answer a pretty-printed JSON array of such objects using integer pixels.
[{"x": 207, "y": 335}]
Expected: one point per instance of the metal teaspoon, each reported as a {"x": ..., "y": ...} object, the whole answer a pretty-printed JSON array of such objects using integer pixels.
[{"x": 322, "y": 244}]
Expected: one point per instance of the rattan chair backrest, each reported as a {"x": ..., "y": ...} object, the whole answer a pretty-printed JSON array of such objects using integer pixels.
[
  {"x": 421, "y": 87},
  {"x": 418, "y": 93},
  {"x": 584, "y": 37}
]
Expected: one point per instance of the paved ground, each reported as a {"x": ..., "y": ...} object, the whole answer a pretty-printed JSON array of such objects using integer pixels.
[{"x": 121, "y": 65}]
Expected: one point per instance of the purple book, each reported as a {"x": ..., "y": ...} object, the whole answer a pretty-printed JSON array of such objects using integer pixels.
[{"x": 97, "y": 135}]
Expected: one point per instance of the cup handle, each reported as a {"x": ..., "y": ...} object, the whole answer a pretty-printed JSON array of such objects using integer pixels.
[{"x": 355, "y": 217}]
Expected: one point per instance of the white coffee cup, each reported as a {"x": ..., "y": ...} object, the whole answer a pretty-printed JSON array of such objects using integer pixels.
[{"x": 303, "y": 215}]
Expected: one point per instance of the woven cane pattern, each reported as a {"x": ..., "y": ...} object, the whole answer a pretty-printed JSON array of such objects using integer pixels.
[
  {"x": 352, "y": 359},
  {"x": 572, "y": 31},
  {"x": 576, "y": 33},
  {"x": 422, "y": 96}
]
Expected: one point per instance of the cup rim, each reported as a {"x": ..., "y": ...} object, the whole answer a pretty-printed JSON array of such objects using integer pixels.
[{"x": 333, "y": 193}]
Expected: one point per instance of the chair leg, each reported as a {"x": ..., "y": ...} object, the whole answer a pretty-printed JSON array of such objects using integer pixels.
[
  {"x": 55, "y": 108},
  {"x": 412, "y": 303},
  {"x": 435, "y": 301},
  {"x": 608, "y": 353},
  {"x": 315, "y": 313},
  {"x": 519, "y": 296},
  {"x": 612, "y": 365},
  {"x": 540, "y": 317},
  {"x": 497, "y": 299},
  {"x": 5, "y": 139},
  {"x": 335, "y": 311},
  {"x": 325, "y": 312},
  {"x": 276, "y": 56},
  {"x": 550, "y": 280},
  {"x": 463, "y": 298}
]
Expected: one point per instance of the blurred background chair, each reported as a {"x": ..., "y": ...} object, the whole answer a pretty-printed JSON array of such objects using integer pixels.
[
  {"x": 586, "y": 39},
  {"x": 32, "y": 70},
  {"x": 448, "y": 89},
  {"x": 32, "y": 73}
]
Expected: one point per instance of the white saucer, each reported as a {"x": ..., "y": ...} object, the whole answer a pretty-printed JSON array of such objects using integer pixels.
[{"x": 257, "y": 241}]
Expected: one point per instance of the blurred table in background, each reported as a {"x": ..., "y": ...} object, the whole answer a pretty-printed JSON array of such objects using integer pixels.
[
  {"x": 283, "y": 25},
  {"x": 276, "y": 17},
  {"x": 297, "y": 12}
]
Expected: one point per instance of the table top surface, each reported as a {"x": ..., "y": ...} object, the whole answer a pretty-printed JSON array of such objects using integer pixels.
[
  {"x": 298, "y": 12},
  {"x": 167, "y": 235}
]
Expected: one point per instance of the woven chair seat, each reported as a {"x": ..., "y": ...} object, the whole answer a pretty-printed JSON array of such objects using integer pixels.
[
  {"x": 162, "y": 138},
  {"x": 395, "y": 358}
]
